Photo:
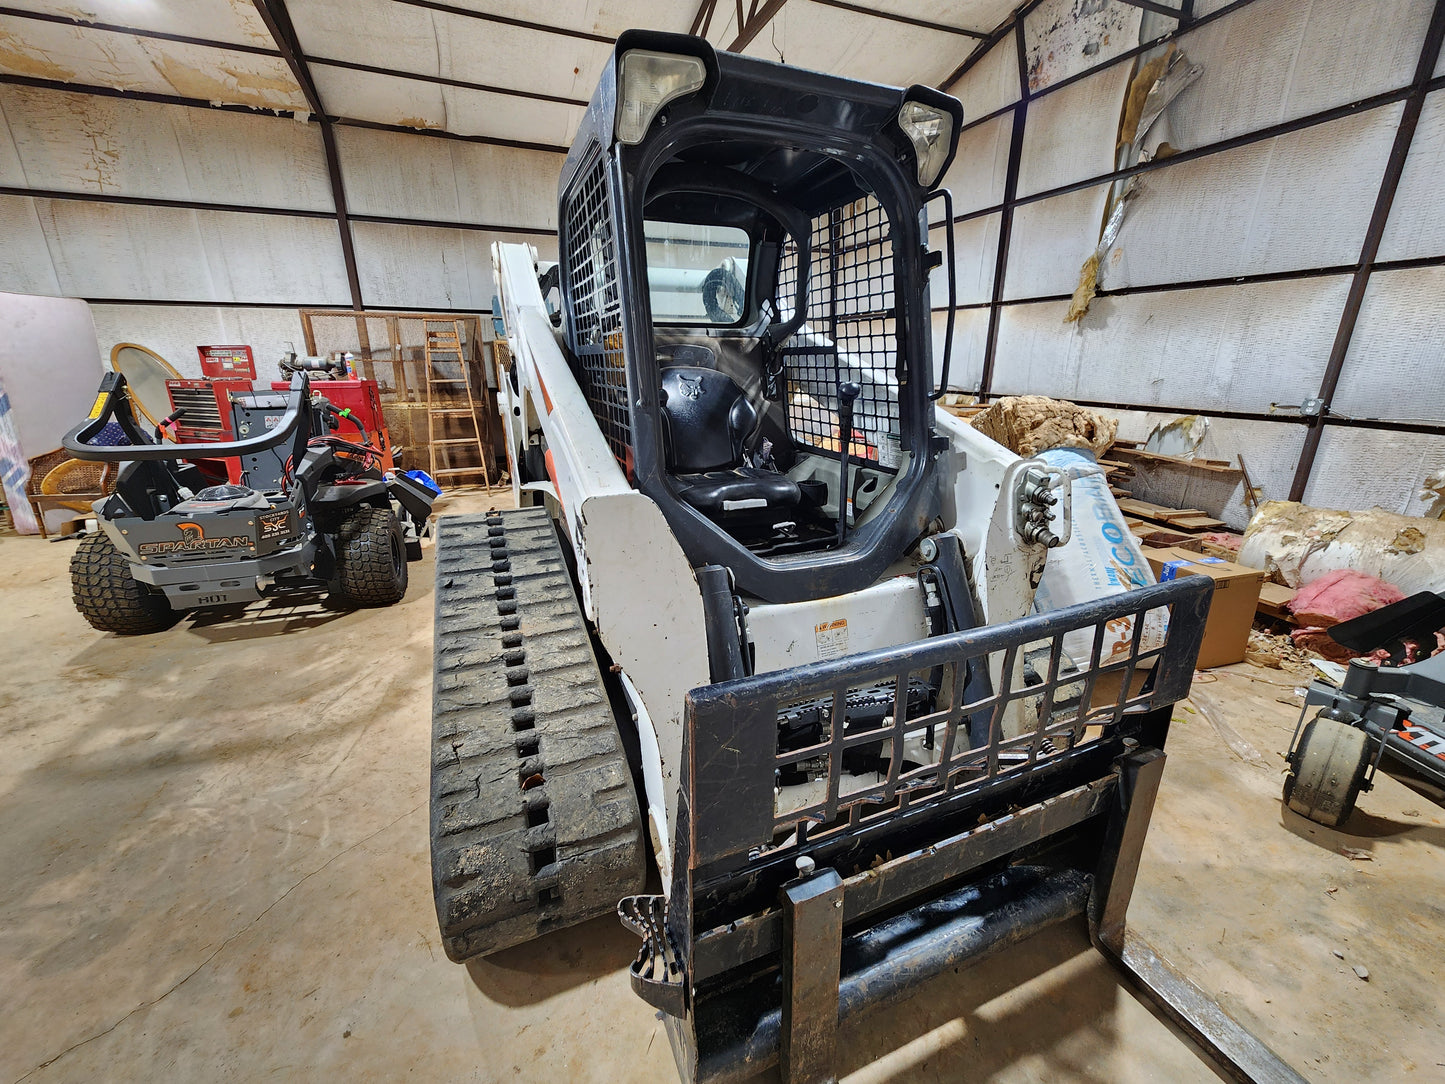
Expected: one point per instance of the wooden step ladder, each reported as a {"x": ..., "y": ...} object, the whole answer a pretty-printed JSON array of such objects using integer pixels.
[{"x": 444, "y": 347}]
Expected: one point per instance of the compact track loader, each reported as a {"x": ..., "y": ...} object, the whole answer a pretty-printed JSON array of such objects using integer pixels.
[{"x": 763, "y": 610}]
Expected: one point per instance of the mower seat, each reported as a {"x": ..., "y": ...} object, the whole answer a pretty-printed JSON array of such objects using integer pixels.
[{"x": 707, "y": 420}]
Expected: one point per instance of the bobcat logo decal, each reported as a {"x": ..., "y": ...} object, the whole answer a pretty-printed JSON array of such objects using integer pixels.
[
  {"x": 193, "y": 540},
  {"x": 690, "y": 386}
]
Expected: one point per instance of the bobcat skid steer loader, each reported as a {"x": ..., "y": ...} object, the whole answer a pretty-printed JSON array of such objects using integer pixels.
[{"x": 763, "y": 610}]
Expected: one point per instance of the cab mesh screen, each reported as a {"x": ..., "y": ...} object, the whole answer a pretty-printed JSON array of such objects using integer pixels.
[
  {"x": 596, "y": 325},
  {"x": 850, "y": 333}
]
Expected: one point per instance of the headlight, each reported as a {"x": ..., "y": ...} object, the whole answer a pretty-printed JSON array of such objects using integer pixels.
[
  {"x": 930, "y": 129},
  {"x": 648, "y": 81}
]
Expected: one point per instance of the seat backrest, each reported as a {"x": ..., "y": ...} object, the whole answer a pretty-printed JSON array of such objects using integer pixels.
[{"x": 709, "y": 419}]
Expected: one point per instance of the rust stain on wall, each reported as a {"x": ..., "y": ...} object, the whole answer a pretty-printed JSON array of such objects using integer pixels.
[
  {"x": 417, "y": 122},
  {"x": 229, "y": 85},
  {"x": 18, "y": 58}
]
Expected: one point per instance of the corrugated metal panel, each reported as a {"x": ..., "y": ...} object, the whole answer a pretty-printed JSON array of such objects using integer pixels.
[
  {"x": 404, "y": 38},
  {"x": 81, "y": 55},
  {"x": 83, "y": 143},
  {"x": 1065, "y": 37},
  {"x": 1279, "y": 59},
  {"x": 424, "y": 267},
  {"x": 234, "y": 21},
  {"x": 390, "y": 100},
  {"x": 1396, "y": 364},
  {"x": 1050, "y": 240},
  {"x": 976, "y": 177},
  {"x": 25, "y": 266},
  {"x": 992, "y": 83},
  {"x": 1071, "y": 134},
  {"x": 408, "y": 176},
  {"x": 170, "y": 254},
  {"x": 1222, "y": 348},
  {"x": 975, "y": 256},
  {"x": 848, "y": 43},
  {"x": 1243, "y": 212},
  {"x": 1358, "y": 468},
  {"x": 970, "y": 329},
  {"x": 1416, "y": 227},
  {"x": 174, "y": 332}
]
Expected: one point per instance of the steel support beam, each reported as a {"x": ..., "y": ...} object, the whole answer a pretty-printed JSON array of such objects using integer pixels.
[
  {"x": 751, "y": 25},
  {"x": 278, "y": 22},
  {"x": 1384, "y": 200},
  {"x": 1006, "y": 216}
]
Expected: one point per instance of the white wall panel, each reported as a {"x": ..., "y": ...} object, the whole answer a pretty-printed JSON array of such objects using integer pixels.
[
  {"x": 84, "y": 143},
  {"x": 970, "y": 330},
  {"x": 417, "y": 104},
  {"x": 426, "y": 267},
  {"x": 171, "y": 254},
  {"x": 1051, "y": 240},
  {"x": 1071, "y": 134},
  {"x": 1244, "y": 212},
  {"x": 1065, "y": 37},
  {"x": 81, "y": 55},
  {"x": 975, "y": 257},
  {"x": 980, "y": 166},
  {"x": 447, "y": 180},
  {"x": 174, "y": 332},
  {"x": 980, "y": 15},
  {"x": 1223, "y": 348},
  {"x": 25, "y": 265},
  {"x": 1416, "y": 226},
  {"x": 849, "y": 43},
  {"x": 990, "y": 84},
  {"x": 1363, "y": 468},
  {"x": 396, "y": 36},
  {"x": 1279, "y": 59},
  {"x": 236, "y": 22},
  {"x": 610, "y": 17},
  {"x": 1396, "y": 364}
]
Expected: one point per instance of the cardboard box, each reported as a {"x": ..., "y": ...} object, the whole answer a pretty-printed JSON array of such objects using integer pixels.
[{"x": 1231, "y": 613}]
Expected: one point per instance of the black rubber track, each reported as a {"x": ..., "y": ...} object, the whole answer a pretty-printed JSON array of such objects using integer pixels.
[
  {"x": 108, "y": 596},
  {"x": 534, "y": 817},
  {"x": 370, "y": 557}
]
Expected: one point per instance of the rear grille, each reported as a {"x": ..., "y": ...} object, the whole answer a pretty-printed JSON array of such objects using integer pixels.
[{"x": 200, "y": 406}]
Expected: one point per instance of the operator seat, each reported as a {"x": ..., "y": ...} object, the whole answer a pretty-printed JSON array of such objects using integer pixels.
[{"x": 707, "y": 420}]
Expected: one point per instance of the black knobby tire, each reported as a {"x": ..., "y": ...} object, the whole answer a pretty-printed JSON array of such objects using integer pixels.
[
  {"x": 109, "y": 597},
  {"x": 1327, "y": 771},
  {"x": 535, "y": 823},
  {"x": 370, "y": 557}
]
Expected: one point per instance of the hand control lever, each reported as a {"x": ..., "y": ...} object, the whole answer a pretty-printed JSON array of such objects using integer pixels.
[{"x": 847, "y": 393}]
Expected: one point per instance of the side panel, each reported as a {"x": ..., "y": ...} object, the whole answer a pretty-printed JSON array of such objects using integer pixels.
[{"x": 650, "y": 617}]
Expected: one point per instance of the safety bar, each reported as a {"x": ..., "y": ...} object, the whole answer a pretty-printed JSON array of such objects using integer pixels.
[{"x": 112, "y": 403}]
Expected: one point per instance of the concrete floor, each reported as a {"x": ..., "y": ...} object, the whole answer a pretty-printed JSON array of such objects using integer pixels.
[{"x": 213, "y": 865}]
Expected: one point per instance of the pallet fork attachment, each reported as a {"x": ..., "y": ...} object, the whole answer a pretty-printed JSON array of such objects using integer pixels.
[{"x": 783, "y": 923}]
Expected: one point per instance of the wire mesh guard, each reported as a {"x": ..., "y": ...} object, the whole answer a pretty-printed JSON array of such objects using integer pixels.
[
  {"x": 596, "y": 324},
  {"x": 851, "y": 333},
  {"x": 866, "y": 737}
]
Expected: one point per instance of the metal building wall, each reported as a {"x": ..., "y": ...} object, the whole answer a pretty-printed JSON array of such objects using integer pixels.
[{"x": 1265, "y": 248}]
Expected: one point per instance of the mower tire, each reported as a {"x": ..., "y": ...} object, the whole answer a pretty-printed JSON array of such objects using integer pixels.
[
  {"x": 109, "y": 597},
  {"x": 370, "y": 558},
  {"x": 1327, "y": 771}
]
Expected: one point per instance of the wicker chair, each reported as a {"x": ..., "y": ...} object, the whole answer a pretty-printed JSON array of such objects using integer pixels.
[{"x": 57, "y": 481}]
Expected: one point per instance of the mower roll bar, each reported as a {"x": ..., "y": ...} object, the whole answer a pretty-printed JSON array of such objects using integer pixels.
[{"x": 112, "y": 403}]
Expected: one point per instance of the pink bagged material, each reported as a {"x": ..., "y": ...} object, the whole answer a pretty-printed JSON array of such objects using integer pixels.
[{"x": 1341, "y": 595}]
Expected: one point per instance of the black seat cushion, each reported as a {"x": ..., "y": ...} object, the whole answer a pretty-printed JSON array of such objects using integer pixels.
[
  {"x": 748, "y": 491},
  {"x": 708, "y": 419}
]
